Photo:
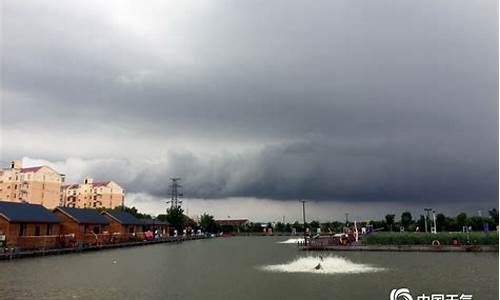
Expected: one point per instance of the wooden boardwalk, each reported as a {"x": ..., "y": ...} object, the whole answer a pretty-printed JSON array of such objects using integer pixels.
[{"x": 16, "y": 253}]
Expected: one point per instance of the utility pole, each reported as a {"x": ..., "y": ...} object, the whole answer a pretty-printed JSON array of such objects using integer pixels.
[
  {"x": 304, "y": 212},
  {"x": 427, "y": 210},
  {"x": 346, "y": 219},
  {"x": 304, "y": 215},
  {"x": 434, "y": 217},
  {"x": 175, "y": 193}
]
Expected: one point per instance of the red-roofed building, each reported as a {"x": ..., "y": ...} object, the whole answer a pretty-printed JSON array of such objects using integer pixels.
[
  {"x": 35, "y": 185},
  {"x": 93, "y": 194}
]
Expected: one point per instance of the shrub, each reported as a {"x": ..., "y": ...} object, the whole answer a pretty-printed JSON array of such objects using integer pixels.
[{"x": 416, "y": 238}]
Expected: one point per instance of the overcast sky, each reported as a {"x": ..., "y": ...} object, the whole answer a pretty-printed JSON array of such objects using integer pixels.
[{"x": 365, "y": 107}]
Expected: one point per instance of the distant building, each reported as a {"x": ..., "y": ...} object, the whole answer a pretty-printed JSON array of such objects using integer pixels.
[
  {"x": 232, "y": 222},
  {"x": 90, "y": 194},
  {"x": 35, "y": 185},
  {"x": 231, "y": 225}
]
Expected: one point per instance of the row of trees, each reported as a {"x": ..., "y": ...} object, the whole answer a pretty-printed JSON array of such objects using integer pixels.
[
  {"x": 178, "y": 220},
  {"x": 131, "y": 210},
  {"x": 443, "y": 223},
  {"x": 389, "y": 223}
]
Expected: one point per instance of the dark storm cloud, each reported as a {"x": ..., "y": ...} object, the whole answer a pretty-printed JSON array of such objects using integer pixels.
[
  {"x": 375, "y": 100},
  {"x": 323, "y": 170}
]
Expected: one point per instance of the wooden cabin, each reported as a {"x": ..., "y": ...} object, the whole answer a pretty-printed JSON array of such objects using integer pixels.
[
  {"x": 86, "y": 225},
  {"x": 124, "y": 226},
  {"x": 28, "y": 226}
]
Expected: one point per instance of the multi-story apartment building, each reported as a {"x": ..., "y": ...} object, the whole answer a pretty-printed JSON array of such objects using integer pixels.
[
  {"x": 35, "y": 185},
  {"x": 90, "y": 194}
]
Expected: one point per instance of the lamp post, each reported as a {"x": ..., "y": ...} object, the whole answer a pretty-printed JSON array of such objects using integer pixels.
[{"x": 427, "y": 210}]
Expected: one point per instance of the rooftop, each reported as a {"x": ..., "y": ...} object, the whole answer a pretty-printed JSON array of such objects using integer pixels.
[
  {"x": 31, "y": 169},
  {"x": 84, "y": 215},
  {"x": 94, "y": 184},
  {"x": 123, "y": 217},
  {"x": 232, "y": 222},
  {"x": 27, "y": 213}
]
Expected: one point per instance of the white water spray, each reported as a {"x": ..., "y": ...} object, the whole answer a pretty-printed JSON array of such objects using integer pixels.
[
  {"x": 292, "y": 241},
  {"x": 329, "y": 265}
]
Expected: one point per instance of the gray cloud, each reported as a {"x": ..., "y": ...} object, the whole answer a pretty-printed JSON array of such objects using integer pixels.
[{"x": 372, "y": 101}]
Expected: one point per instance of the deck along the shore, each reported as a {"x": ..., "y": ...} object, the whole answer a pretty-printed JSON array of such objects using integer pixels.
[{"x": 43, "y": 252}]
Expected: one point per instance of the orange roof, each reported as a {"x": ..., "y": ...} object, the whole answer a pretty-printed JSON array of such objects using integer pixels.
[{"x": 31, "y": 169}]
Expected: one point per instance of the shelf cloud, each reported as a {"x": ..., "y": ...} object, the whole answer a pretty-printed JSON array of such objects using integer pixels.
[{"x": 329, "y": 101}]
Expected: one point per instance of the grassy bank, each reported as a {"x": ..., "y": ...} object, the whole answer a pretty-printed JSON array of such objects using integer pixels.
[{"x": 413, "y": 238}]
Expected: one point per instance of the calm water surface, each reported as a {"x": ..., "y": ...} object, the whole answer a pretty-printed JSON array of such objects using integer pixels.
[{"x": 234, "y": 268}]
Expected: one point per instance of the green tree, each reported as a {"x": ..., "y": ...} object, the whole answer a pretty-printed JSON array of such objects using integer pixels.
[
  {"x": 208, "y": 223},
  {"x": 389, "y": 220},
  {"x": 494, "y": 215},
  {"x": 175, "y": 216},
  {"x": 441, "y": 223},
  {"x": 476, "y": 222},
  {"x": 131, "y": 210},
  {"x": 406, "y": 219},
  {"x": 314, "y": 225},
  {"x": 298, "y": 226},
  {"x": 461, "y": 220},
  {"x": 279, "y": 227},
  {"x": 421, "y": 223}
]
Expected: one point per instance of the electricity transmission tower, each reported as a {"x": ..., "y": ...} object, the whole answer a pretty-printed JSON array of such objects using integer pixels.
[{"x": 175, "y": 193}]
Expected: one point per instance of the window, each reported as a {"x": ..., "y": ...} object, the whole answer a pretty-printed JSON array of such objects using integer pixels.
[
  {"x": 131, "y": 229},
  {"x": 49, "y": 229},
  {"x": 97, "y": 229},
  {"x": 84, "y": 229},
  {"x": 22, "y": 229},
  {"x": 37, "y": 230}
]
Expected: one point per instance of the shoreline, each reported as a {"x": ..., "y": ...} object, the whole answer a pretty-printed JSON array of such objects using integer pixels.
[
  {"x": 404, "y": 248},
  {"x": 10, "y": 255}
]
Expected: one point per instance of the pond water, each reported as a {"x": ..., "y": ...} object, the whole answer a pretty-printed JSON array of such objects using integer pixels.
[{"x": 246, "y": 268}]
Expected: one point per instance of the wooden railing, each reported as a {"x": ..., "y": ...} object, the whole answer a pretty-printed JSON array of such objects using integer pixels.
[
  {"x": 70, "y": 240},
  {"x": 40, "y": 242}
]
